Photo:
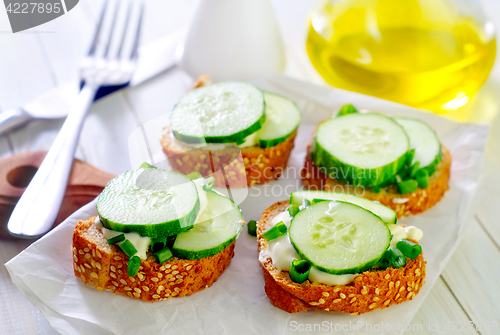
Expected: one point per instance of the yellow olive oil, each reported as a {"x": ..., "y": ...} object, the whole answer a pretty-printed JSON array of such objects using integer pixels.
[{"x": 419, "y": 53}]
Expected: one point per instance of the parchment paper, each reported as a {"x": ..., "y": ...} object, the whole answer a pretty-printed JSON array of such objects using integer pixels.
[{"x": 236, "y": 303}]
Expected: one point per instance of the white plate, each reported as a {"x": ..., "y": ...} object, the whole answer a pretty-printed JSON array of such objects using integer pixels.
[{"x": 236, "y": 303}]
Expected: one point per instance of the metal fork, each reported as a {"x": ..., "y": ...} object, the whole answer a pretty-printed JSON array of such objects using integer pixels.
[{"x": 110, "y": 62}]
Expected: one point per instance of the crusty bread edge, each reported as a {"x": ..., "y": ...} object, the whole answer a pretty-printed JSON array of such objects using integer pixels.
[
  {"x": 370, "y": 290},
  {"x": 104, "y": 267}
]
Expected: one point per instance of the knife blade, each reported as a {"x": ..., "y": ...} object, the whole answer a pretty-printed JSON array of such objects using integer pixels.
[{"x": 154, "y": 58}]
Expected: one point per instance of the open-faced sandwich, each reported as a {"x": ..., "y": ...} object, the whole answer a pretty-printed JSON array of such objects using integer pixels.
[
  {"x": 396, "y": 161},
  {"x": 158, "y": 234},
  {"x": 232, "y": 131},
  {"x": 337, "y": 252}
]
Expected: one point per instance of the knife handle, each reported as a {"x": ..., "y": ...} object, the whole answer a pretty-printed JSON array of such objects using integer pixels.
[{"x": 13, "y": 118}]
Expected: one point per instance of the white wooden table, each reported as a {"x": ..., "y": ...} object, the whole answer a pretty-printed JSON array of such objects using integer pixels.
[{"x": 37, "y": 60}]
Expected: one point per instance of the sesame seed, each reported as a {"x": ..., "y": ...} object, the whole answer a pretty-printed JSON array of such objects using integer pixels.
[
  {"x": 391, "y": 285},
  {"x": 114, "y": 283},
  {"x": 98, "y": 265},
  {"x": 375, "y": 299},
  {"x": 82, "y": 268},
  {"x": 112, "y": 275},
  {"x": 321, "y": 301},
  {"x": 174, "y": 267},
  {"x": 416, "y": 287},
  {"x": 397, "y": 296},
  {"x": 402, "y": 289},
  {"x": 351, "y": 295},
  {"x": 83, "y": 278},
  {"x": 87, "y": 265},
  {"x": 336, "y": 289},
  {"x": 112, "y": 268},
  {"x": 397, "y": 284},
  {"x": 325, "y": 294},
  {"x": 353, "y": 300},
  {"x": 92, "y": 262},
  {"x": 184, "y": 273},
  {"x": 387, "y": 302},
  {"x": 168, "y": 266},
  {"x": 372, "y": 306},
  {"x": 162, "y": 268},
  {"x": 120, "y": 272},
  {"x": 178, "y": 277},
  {"x": 87, "y": 256},
  {"x": 161, "y": 288},
  {"x": 336, "y": 300},
  {"x": 81, "y": 252},
  {"x": 74, "y": 250},
  {"x": 327, "y": 309},
  {"x": 140, "y": 276},
  {"x": 77, "y": 268},
  {"x": 377, "y": 291},
  {"x": 355, "y": 313},
  {"x": 123, "y": 282},
  {"x": 189, "y": 267},
  {"x": 132, "y": 279},
  {"x": 168, "y": 271},
  {"x": 409, "y": 295},
  {"x": 166, "y": 295},
  {"x": 137, "y": 295},
  {"x": 117, "y": 258},
  {"x": 93, "y": 253},
  {"x": 126, "y": 288},
  {"x": 178, "y": 281},
  {"x": 129, "y": 294},
  {"x": 342, "y": 295},
  {"x": 175, "y": 272},
  {"x": 387, "y": 276},
  {"x": 160, "y": 275},
  {"x": 86, "y": 250},
  {"x": 178, "y": 289},
  {"x": 409, "y": 289},
  {"x": 75, "y": 258},
  {"x": 99, "y": 254},
  {"x": 154, "y": 279},
  {"x": 138, "y": 290},
  {"x": 94, "y": 275},
  {"x": 156, "y": 296},
  {"x": 313, "y": 303},
  {"x": 363, "y": 292},
  {"x": 145, "y": 288},
  {"x": 417, "y": 271}
]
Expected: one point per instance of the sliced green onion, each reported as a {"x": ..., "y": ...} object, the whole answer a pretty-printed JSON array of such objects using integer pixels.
[
  {"x": 305, "y": 204},
  {"x": 398, "y": 260},
  {"x": 409, "y": 249},
  {"x": 128, "y": 248},
  {"x": 163, "y": 255},
  {"x": 385, "y": 261},
  {"x": 414, "y": 169},
  {"x": 208, "y": 184},
  {"x": 407, "y": 186},
  {"x": 431, "y": 170},
  {"x": 147, "y": 166},
  {"x": 347, "y": 109},
  {"x": 410, "y": 156},
  {"x": 299, "y": 271},
  {"x": 399, "y": 178},
  {"x": 194, "y": 175},
  {"x": 315, "y": 200},
  {"x": 275, "y": 231},
  {"x": 252, "y": 228},
  {"x": 293, "y": 210},
  {"x": 116, "y": 239},
  {"x": 133, "y": 266},
  {"x": 171, "y": 241},
  {"x": 158, "y": 244},
  {"x": 422, "y": 176},
  {"x": 376, "y": 188}
]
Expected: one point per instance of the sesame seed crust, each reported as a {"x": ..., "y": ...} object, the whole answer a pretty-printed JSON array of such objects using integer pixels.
[
  {"x": 369, "y": 291},
  {"x": 151, "y": 283},
  {"x": 419, "y": 201}
]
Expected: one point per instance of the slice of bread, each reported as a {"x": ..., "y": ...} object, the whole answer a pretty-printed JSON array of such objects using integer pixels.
[
  {"x": 403, "y": 204},
  {"x": 242, "y": 166},
  {"x": 370, "y": 290},
  {"x": 104, "y": 267}
]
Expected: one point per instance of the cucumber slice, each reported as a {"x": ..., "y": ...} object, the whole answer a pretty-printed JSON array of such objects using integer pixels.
[
  {"x": 424, "y": 140},
  {"x": 338, "y": 237},
  {"x": 224, "y": 112},
  {"x": 282, "y": 119},
  {"x": 217, "y": 227},
  {"x": 362, "y": 149},
  {"x": 149, "y": 201},
  {"x": 385, "y": 213}
]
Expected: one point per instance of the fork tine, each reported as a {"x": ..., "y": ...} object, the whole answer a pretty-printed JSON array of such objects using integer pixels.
[
  {"x": 112, "y": 28},
  {"x": 124, "y": 33},
  {"x": 95, "y": 40},
  {"x": 133, "y": 54}
]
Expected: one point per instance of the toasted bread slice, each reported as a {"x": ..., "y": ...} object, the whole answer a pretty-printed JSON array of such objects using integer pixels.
[
  {"x": 370, "y": 290},
  {"x": 403, "y": 204},
  {"x": 242, "y": 166},
  {"x": 104, "y": 267}
]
